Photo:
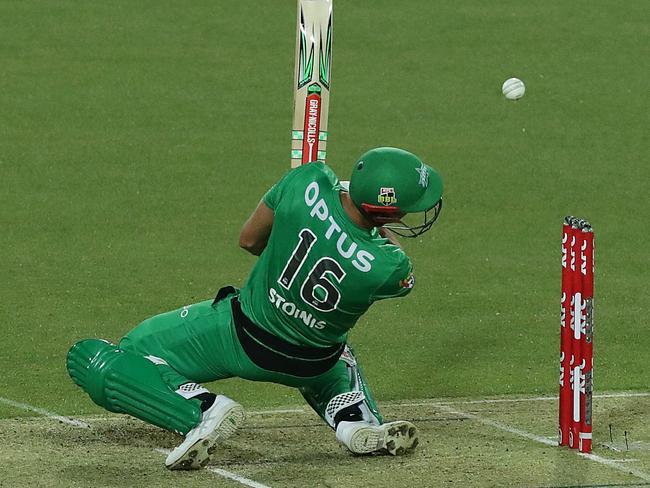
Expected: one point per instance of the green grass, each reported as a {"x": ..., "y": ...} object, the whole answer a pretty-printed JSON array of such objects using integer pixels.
[{"x": 136, "y": 137}]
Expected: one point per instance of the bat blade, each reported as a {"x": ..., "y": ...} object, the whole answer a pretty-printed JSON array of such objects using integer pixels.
[{"x": 312, "y": 78}]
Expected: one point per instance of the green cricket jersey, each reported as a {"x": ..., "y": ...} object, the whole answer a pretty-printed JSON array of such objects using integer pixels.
[{"x": 319, "y": 271}]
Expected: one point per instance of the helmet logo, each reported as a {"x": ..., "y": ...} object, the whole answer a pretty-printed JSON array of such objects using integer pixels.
[
  {"x": 387, "y": 196},
  {"x": 424, "y": 175}
]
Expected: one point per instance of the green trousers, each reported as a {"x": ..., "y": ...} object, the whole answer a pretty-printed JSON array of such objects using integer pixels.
[{"x": 198, "y": 343}]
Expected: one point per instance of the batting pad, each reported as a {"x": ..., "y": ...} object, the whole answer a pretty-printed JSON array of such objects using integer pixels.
[{"x": 125, "y": 382}]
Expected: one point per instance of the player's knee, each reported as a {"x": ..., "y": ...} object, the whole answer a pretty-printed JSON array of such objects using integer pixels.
[
  {"x": 81, "y": 356},
  {"x": 126, "y": 382},
  {"x": 85, "y": 364}
]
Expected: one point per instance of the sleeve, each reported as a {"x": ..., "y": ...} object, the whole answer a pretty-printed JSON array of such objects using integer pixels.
[
  {"x": 273, "y": 196},
  {"x": 399, "y": 283}
]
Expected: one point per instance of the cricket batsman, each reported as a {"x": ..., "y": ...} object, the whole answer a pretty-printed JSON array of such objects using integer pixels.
[{"x": 326, "y": 253}]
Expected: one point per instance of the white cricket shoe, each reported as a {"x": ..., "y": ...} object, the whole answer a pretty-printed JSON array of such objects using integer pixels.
[
  {"x": 362, "y": 437},
  {"x": 218, "y": 423}
]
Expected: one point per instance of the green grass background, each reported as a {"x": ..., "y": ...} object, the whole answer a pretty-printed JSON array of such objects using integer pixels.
[{"x": 136, "y": 137}]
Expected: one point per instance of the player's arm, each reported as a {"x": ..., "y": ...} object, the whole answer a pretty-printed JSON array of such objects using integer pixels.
[
  {"x": 257, "y": 229},
  {"x": 399, "y": 283},
  {"x": 255, "y": 233}
]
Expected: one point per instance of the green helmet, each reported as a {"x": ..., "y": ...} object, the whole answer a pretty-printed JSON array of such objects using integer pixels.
[{"x": 387, "y": 183}]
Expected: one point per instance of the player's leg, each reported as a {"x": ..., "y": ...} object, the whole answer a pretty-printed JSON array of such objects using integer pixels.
[
  {"x": 125, "y": 382},
  {"x": 340, "y": 395},
  {"x": 154, "y": 376},
  {"x": 191, "y": 345},
  {"x": 343, "y": 399}
]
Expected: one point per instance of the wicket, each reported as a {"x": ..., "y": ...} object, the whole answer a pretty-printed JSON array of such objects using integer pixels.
[{"x": 576, "y": 335}]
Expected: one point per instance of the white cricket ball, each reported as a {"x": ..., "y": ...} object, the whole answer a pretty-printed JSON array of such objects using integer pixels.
[{"x": 513, "y": 88}]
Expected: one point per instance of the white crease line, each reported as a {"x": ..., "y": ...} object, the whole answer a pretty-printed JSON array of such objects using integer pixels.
[
  {"x": 434, "y": 401},
  {"x": 84, "y": 425},
  {"x": 543, "y": 440},
  {"x": 614, "y": 464},
  {"x": 275, "y": 411},
  {"x": 498, "y": 425},
  {"x": 226, "y": 474},
  {"x": 236, "y": 477},
  {"x": 45, "y": 413},
  {"x": 281, "y": 410},
  {"x": 424, "y": 403}
]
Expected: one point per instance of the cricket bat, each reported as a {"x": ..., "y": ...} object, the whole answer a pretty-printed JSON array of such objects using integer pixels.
[{"x": 311, "y": 81}]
